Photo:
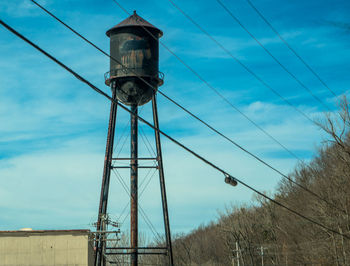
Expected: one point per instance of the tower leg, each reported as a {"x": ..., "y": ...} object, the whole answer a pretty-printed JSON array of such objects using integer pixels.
[
  {"x": 133, "y": 187},
  {"x": 162, "y": 182},
  {"x": 102, "y": 211}
]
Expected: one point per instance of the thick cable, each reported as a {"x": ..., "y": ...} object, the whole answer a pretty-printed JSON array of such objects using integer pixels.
[
  {"x": 243, "y": 65},
  {"x": 272, "y": 56},
  {"x": 226, "y": 174},
  {"x": 291, "y": 48},
  {"x": 180, "y": 106},
  {"x": 110, "y": 98},
  {"x": 221, "y": 134},
  {"x": 218, "y": 93}
]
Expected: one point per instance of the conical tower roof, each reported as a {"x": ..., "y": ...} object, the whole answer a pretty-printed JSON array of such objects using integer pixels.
[{"x": 134, "y": 21}]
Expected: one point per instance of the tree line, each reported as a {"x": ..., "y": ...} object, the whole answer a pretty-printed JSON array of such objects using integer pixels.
[{"x": 262, "y": 233}]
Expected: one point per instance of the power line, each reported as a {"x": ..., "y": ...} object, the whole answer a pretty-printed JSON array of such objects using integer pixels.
[
  {"x": 164, "y": 95},
  {"x": 222, "y": 135},
  {"x": 216, "y": 91},
  {"x": 196, "y": 117},
  {"x": 291, "y": 49},
  {"x": 272, "y": 56},
  {"x": 226, "y": 174},
  {"x": 241, "y": 63}
]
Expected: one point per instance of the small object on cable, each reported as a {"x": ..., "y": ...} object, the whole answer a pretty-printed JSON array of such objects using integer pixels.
[{"x": 230, "y": 180}]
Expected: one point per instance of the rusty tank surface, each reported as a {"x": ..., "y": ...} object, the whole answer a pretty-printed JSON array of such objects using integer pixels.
[{"x": 134, "y": 43}]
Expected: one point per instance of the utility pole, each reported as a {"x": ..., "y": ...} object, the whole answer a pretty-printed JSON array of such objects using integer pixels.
[
  {"x": 237, "y": 253},
  {"x": 262, "y": 255}
]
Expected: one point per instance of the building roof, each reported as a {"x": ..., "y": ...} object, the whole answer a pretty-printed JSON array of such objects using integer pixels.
[
  {"x": 134, "y": 21},
  {"x": 28, "y": 231}
]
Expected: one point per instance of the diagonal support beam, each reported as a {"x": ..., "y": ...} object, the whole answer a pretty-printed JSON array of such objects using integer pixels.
[
  {"x": 162, "y": 181},
  {"x": 102, "y": 211}
]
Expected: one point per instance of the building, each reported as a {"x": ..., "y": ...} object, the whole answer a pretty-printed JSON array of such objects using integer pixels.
[{"x": 46, "y": 247}]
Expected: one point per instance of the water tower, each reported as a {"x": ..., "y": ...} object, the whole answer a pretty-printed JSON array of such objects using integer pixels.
[{"x": 133, "y": 78}]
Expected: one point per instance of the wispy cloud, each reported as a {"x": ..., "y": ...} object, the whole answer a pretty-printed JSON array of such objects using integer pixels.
[
  {"x": 21, "y": 8},
  {"x": 54, "y": 127}
]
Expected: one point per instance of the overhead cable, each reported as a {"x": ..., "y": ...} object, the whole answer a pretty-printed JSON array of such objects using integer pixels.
[
  {"x": 75, "y": 74},
  {"x": 291, "y": 48},
  {"x": 272, "y": 56},
  {"x": 241, "y": 63},
  {"x": 195, "y": 116},
  {"x": 214, "y": 90}
]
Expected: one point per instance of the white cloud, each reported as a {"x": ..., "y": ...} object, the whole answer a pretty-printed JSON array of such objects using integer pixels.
[
  {"x": 58, "y": 183},
  {"x": 21, "y": 8}
]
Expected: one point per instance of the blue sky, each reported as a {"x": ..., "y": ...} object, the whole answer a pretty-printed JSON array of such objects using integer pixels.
[{"x": 53, "y": 132}]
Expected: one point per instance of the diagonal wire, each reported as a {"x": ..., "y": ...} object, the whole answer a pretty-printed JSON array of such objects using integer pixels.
[
  {"x": 196, "y": 117},
  {"x": 218, "y": 93},
  {"x": 230, "y": 140},
  {"x": 190, "y": 113},
  {"x": 125, "y": 128},
  {"x": 127, "y": 205},
  {"x": 209, "y": 163},
  {"x": 143, "y": 181},
  {"x": 122, "y": 136},
  {"x": 272, "y": 56},
  {"x": 291, "y": 49},
  {"x": 127, "y": 190},
  {"x": 146, "y": 183},
  {"x": 145, "y": 139},
  {"x": 121, "y": 148},
  {"x": 145, "y": 217},
  {"x": 177, "y": 104},
  {"x": 147, "y": 175},
  {"x": 241, "y": 64},
  {"x": 142, "y": 212}
]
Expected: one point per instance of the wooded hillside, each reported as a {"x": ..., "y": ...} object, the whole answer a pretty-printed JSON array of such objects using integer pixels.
[{"x": 264, "y": 233}]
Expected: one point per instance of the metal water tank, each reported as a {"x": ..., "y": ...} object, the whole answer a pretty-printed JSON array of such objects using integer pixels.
[{"x": 134, "y": 43}]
